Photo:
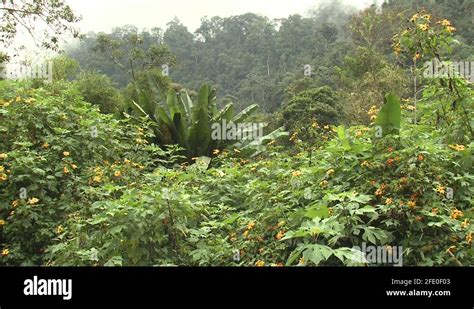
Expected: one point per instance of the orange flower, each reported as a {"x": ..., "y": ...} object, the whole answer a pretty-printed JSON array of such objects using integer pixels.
[
  {"x": 411, "y": 204},
  {"x": 440, "y": 190},
  {"x": 469, "y": 238},
  {"x": 260, "y": 263},
  {"x": 457, "y": 147},
  {"x": 296, "y": 173},
  {"x": 434, "y": 211},
  {"x": 381, "y": 190},
  {"x": 33, "y": 201},
  {"x": 414, "y": 18},
  {"x": 423, "y": 27},
  {"x": 65, "y": 170},
  {"x": 388, "y": 201},
  {"x": 444, "y": 22},
  {"x": 280, "y": 235},
  {"x": 420, "y": 157},
  {"x": 390, "y": 162},
  {"x": 465, "y": 224},
  {"x": 451, "y": 29},
  {"x": 455, "y": 214},
  {"x": 66, "y": 153},
  {"x": 417, "y": 56},
  {"x": 418, "y": 218},
  {"x": 118, "y": 173}
]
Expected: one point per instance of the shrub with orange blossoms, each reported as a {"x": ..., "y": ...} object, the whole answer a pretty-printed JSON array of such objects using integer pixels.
[{"x": 455, "y": 214}]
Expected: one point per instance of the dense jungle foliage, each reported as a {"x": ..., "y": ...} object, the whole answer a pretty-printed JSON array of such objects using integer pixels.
[{"x": 116, "y": 162}]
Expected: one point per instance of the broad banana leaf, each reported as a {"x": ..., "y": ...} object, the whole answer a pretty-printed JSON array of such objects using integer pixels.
[
  {"x": 243, "y": 115},
  {"x": 200, "y": 133}
]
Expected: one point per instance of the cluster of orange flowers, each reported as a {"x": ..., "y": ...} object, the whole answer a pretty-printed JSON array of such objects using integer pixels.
[
  {"x": 381, "y": 190},
  {"x": 280, "y": 235},
  {"x": 447, "y": 24},
  {"x": 3, "y": 176},
  {"x": 455, "y": 213},
  {"x": 250, "y": 226},
  {"x": 65, "y": 154},
  {"x": 294, "y": 137},
  {"x": 260, "y": 263},
  {"x": 373, "y": 111},
  {"x": 296, "y": 173},
  {"x": 457, "y": 147},
  {"x": 33, "y": 201},
  {"x": 465, "y": 224}
]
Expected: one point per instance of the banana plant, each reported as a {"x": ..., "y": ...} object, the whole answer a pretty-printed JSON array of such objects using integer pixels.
[{"x": 192, "y": 125}]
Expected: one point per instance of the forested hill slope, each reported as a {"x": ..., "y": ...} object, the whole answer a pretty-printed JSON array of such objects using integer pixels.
[{"x": 252, "y": 59}]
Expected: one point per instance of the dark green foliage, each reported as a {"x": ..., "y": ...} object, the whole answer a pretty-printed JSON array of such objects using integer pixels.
[
  {"x": 99, "y": 90},
  {"x": 318, "y": 104}
]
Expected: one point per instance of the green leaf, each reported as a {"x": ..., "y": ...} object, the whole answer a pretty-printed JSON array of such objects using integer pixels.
[
  {"x": 390, "y": 114},
  {"x": 317, "y": 210},
  {"x": 294, "y": 255},
  {"x": 200, "y": 134},
  {"x": 114, "y": 261},
  {"x": 243, "y": 115},
  {"x": 317, "y": 253},
  {"x": 352, "y": 255},
  {"x": 341, "y": 133}
]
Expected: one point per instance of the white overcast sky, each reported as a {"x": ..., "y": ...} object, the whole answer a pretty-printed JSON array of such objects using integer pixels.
[{"x": 103, "y": 15}]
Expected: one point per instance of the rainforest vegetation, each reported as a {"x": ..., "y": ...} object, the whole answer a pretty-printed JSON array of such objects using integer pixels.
[{"x": 364, "y": 136}]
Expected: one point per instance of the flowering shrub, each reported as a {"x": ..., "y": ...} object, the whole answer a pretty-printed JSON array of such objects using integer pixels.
[
  {"x": 409, "y": 190},
  {"x": 81, "y": 188},
  {"x": 53, "y": 147}
]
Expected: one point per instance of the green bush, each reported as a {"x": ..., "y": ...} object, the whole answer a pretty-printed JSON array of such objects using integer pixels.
[
  {"x": 278, "y": 210},
  {"x": 50, "y": 145},
  {"x": 320, "y": 105},
  {"x": 98, "y": 89}
]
